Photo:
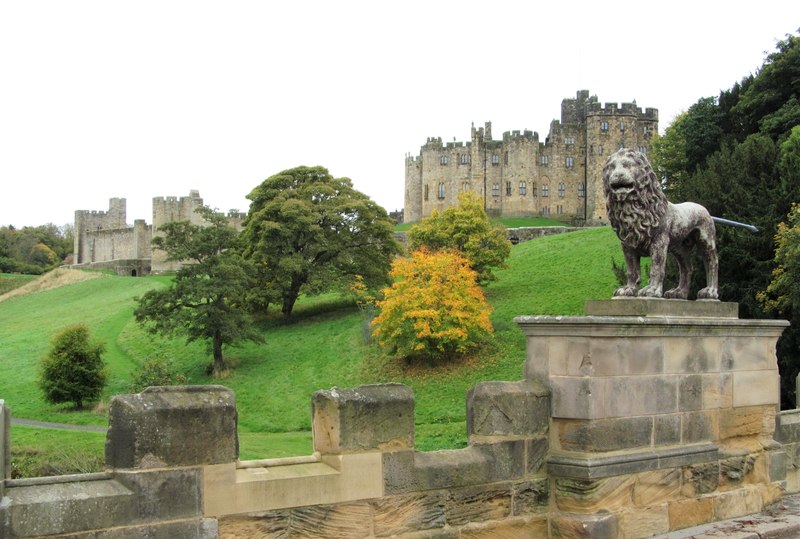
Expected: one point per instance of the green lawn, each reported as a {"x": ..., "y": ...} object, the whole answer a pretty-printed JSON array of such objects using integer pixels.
[
  {"x": 322, "y": 348},
  {"x": 10, "y": 281}
]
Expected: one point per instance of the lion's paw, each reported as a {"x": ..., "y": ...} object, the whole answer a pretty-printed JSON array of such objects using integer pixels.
[
  {"x": 651, "y": 291},
  {"x": 708, "y": 293},
  {"x": 676, "y": 293},
  {"x": 625, "y": 291}
]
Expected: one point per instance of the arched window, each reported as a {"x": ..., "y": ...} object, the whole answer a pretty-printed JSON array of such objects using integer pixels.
[
  {"x": 495, "y": 159},
  {"x": 545, "y": 190},
  {"x": 496, "y": 190},
  {"x": 569, "y": 162},
  {"x": 443, "y": 160},
  {"x": 441, "y": 190},
  {"x": 562, "y": 189},
  {"x": 523, "y": 188}
]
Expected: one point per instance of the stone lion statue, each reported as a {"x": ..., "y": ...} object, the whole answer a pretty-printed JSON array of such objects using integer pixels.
[{"x": 647, "y": 224}]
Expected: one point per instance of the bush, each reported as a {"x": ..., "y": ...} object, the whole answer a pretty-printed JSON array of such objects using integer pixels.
[
  {"x": 73, "y": 370},
  {"x": 435, "y": 308},
  {"x": 156, "y": 371}
]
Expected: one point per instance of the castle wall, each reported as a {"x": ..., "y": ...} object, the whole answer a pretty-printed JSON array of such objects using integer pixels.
[
  {"x": 168, "y": 210},
  {"x": 519, "y": 175}
]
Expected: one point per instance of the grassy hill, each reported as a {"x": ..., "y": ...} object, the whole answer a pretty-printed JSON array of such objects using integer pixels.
[{"x": 322, "y": 348}]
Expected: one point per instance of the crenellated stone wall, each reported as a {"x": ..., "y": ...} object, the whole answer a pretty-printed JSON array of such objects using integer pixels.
[{"x": 641, "y": 418}]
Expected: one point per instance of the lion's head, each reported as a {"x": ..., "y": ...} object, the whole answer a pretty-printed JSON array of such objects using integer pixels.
[{"x": 636, "y": 204}]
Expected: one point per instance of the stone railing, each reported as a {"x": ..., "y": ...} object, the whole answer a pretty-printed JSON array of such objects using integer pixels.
[{"x": 641, "y": 418}]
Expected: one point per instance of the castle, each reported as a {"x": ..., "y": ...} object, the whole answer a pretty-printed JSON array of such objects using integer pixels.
[
  {"x": 521, "y": 176},
  {"x": 104, "y": 239}
]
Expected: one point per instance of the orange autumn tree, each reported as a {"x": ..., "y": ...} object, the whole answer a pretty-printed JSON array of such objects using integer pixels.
[{"x": 435, "y": 308}]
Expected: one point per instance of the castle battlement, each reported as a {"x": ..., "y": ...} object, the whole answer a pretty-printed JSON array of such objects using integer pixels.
[
  {"x": 627, "y": 109},
  {"x": 523, "y": 135}
]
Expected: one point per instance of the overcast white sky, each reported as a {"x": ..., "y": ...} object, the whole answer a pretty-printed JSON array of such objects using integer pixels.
[{"x": 137, "y": 99}]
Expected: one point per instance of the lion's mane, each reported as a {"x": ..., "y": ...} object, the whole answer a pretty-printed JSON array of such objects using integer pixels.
[{"x": 643, "y": 209}]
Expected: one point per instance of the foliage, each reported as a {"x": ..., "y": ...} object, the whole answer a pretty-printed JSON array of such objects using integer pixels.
[
  {"x": 204, "y": 302},
  {"x": 156, "y": 371},
  {"x": 467, "y": 229},
  {"x": 308, "y": 232},
  {"x": 73, "y": 370},
  {"x": 34, "y": 250},
  {"x": 434, "y": 309}
]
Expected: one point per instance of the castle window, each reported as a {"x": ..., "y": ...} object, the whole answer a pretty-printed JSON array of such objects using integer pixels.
[
  {"x": 642, "y": 150},
  {"x": 545, "y": 190},
  {"x": 508, "y": 189},
  {"x": 569, "y": 141},
  {"x": 496, "y": 190},
  {"x": 465, "y": 186},
  {"x": 441, "y": 190},
  {"x": 443, "y": 160},
  {"x": 604, "y": 127},
  {"x": 523, "y": 188},
  {"x": 569, "y": 162},
  {"x": 599, "y": 150},
  {"x": 562, "y": 189},
  {"x": 559, "y": 209},
  {"x": 645, "y": 130},
  {"x": 545, "y": 210},
  {"x": 425, "y": 192},
  {"x": 622, "y": 126},
  {"x": 543, "y": 161},
  {"x": 464, "y": 159},
  {"x": 581, "y": 191},
  {"x": 495, "y": 159},
  {"x": 533, "y": 189}
]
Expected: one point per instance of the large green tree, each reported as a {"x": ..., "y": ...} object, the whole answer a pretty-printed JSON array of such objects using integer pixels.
[
  {"x": 308, "y": 232},
  {"x": 205, "y": 301},
  {"x": 465, "y": 228}
]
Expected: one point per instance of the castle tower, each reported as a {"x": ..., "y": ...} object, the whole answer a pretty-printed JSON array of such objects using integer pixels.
[
  {"x": 89, "y": 222},
  {"x": 167, "y": 210}
]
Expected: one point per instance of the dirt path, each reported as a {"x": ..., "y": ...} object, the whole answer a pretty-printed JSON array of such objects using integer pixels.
[{"x": 61, "y": 426}]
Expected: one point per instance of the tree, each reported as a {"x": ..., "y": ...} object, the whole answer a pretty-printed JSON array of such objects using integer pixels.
[
  {"x": 308, "y": 232},
  {"x": 205, "y": 300},
  {"x": 73, "y": 370},
  {"x": 467, "y": 229},
  {"x": 156, "y": 371},
  {"x": 783, "y": 292},
  {"x": 434, "y": 309}
]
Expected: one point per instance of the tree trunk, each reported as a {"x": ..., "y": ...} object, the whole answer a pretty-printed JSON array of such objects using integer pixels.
[{"x": 217, "y": 344}]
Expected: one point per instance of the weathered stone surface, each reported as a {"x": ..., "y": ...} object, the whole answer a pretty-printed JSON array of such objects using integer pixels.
[
  {"x": 641, "y": 395},
  {"x": 589, "y": 496},
  {"x": 753, "y": 388},
  {"x": 268, "y": 525},
  {"x": 690, "y": 512},
  {"x": 605, "y": 434},
  {"x": 536, "y": 450},
  {"x": 644, "y": 522},
  {"x": 747, "y": 421},
  {"x": 68, "y": 507},
  {"x": 477, "y": 504},
  {"x": 205, "y": 528},
  {"x": 508, "y": 409},
  {"x": 172, "y": 426},
  {"x": 690, "y": 392},
  {"x": 777, "y": 462},
  {"x": 656, "y": 307},
  {"x": 601, "y": 525},
  {"x": 698, "y": 427},
  {"x": 530, "y": 497},
  {"x": 657, "y": 487},
  {"x": 342, "y": 521},
  {"x": 717, "y": 390},
  {"x": 579, "y": 397},
  {"x": 667, "y": 429},
  {"x": 405, "y": 514},
  {"x": 700, "y": 479},
  {"x": 514, "y": 528},
  {"x": 733, "y": 469},
  {"x": 164, "y": 494},
  {"x": 371, "y": 417},
  {"x": 787, "y": 426},
  {"x": 736, "y": 503}
]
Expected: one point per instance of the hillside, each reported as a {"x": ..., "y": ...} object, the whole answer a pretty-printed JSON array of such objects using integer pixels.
[{"x": 324, "y": 347}]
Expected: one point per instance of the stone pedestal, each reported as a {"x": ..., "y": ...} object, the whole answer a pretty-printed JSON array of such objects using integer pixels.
[
  {"x": 5, "y": 446},
  {"x": 659, "y": 406}
]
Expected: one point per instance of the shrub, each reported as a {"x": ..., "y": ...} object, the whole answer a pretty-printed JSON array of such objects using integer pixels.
[
  {"x": 73, "y": 370},
  {"x": 156, "y": 371},
  {"x": 435, "y": 308}
]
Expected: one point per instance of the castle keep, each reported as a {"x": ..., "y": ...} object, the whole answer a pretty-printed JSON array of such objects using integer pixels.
[
  {"x": 104, "y": 239},
  {"x": 521, "y": 176}
]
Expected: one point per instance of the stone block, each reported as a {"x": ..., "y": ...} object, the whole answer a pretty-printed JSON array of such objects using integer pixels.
[
  {"x": 397, "y": 515},
  {"x": 753, "y": 388},
  {"x": 477, "y": 504},
  {"x": 601, "y": 525},
  {"x": 717, "y": 390},
  {"x": 571, "y": 357},
  {"x": 264, "y": 524},
  {"x": 777, "y": 462},
  {"x": 578, "y": 397},
  {"x": 408, "y": 471},
  {"x": 202, "y": 528},
  {"x": 535, "y": 449},
  {"x": 604, "y": 434},
  {"x": 627, "y": 356},
  {"x": 787, "y": 428},
  {"x": 691, "y": 512},
  {"x": 164, "y": 494},
  {"x": 737, "y": 503},
  {"x": 372, "y": 417},
  {"x": 68, "y": 507},
  {"x": 530, "y": 497},
  {"x": 752, "y": 421},
  {"x": 340, "y": 521},
  {"x": 537, "y": 362},
  {"x": 667, "y": 429},
  {"x": 172, "y": 426},
  {"x": 698, "y": 354},
  {"x": 699, "y": 427},
  {"x": 733, "y": 469},
  {"x": 690, "y": 392},
  {"x": 644, "y": 522},
  {"x": 700, "y": 479},
  {"x": 750, "y": 353},
  {"x": 659, "y": 307},
  {"x": 641, "y": 395},
  {"x": 588, "y": 496},
  {"x": 508, "y": 409},
  {"x": 513, "y": 528},
  {"x": 506, "y": 460},
  {"x": 657, "y": 487}
]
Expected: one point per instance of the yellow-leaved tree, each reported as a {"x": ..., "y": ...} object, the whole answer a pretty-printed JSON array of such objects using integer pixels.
[{"x": 434, "y": 309}]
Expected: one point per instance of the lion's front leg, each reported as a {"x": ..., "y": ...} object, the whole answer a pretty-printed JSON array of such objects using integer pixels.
[
  {"x": 658, "y": 259},
  {"x": 633, "y": 264}
]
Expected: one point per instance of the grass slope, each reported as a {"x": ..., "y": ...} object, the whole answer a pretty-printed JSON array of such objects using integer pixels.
[{"x": 323, "y": 348}]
